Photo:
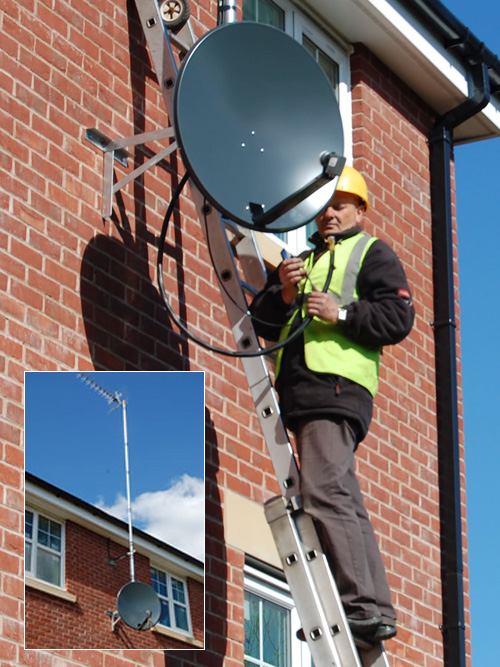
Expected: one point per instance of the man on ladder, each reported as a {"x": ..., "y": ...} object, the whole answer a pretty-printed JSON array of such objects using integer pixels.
[{"x": 326, "y": 380}]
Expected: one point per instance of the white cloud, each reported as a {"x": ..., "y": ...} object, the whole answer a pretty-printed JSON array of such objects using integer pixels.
[{"x": 175, "y": 515}]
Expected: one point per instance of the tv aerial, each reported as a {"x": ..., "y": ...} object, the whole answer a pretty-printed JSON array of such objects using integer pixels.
[
  {"x": 137, "y": 603},
  {"x": 258, "y": 126}
]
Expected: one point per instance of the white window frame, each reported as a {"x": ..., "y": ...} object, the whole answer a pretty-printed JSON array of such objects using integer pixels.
[
  {"x": 30, "y": 568},
  {"x": 296, "y": 24},
  {"x": 277, "y": 591},
  {"x": 171, "y": 602}
]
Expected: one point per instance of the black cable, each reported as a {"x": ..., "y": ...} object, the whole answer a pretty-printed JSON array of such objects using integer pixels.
[
  {"x": 254, "y": 318},
  {"x": 182, "y": 326}
]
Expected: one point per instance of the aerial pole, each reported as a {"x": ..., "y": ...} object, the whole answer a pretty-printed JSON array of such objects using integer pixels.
[
  {"x": 123, "y": 403},
  {"x": 226, "y": 12},
  {"x": 116, "y": 400}
]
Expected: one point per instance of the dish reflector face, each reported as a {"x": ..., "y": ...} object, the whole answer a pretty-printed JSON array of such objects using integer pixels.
[
  {"x": 253, "y": 113},
  {"x": 138, "y": 605}
]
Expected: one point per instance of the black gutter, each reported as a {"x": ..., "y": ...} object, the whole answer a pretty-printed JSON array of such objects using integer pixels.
[
  {"x": 455, "y": 36},
  {"x": 440, "y": 145},
  {"x": 484, "y": 70}
]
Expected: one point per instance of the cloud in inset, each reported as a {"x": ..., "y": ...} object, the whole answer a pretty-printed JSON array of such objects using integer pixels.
[{"x": 175, "y": 515}]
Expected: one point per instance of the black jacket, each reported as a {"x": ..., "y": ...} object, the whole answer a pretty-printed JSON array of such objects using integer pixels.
[{"x": 383, "y": 315}]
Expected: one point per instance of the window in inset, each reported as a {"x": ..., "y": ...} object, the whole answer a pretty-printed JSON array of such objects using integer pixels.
[
  {"x": 44, "y": 543},
  {"x": 173, "y": 596}
]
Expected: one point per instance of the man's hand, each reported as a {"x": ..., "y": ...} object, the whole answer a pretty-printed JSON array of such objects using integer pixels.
[
  {"x": 323, "y": 306},
  {"x": 291, "y": 272}
]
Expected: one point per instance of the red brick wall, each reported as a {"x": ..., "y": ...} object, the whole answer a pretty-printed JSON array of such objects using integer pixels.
[
  {"x": 79, "y": 293},
  {"x": 54, "y": 623},
  {"x": 398, "y": 462}
]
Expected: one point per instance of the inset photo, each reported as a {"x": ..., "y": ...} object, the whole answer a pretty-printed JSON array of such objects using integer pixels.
[{"x": 114, "y": 510}]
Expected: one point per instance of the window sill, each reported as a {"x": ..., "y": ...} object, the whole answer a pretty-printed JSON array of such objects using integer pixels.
[
  {"x": 50, "y": 589},
  {"x": 173, "y": 634}
]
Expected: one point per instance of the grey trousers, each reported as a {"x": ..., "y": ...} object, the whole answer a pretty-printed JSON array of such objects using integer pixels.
[{"x": 331, "y": 494}]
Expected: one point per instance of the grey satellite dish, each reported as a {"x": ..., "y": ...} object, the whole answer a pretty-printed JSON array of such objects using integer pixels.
[
  {"x": 258, "y": 126},
  {"x": 138, "y": 606}
]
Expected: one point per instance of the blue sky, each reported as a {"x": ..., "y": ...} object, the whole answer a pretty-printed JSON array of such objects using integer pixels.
[
  {"x": 478, "y": 185},
  {"x": 75, "y": 441},
  {"x": 478, "y": 236}
]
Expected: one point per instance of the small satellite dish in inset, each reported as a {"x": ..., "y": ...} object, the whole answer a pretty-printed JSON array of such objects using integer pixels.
[
  {"x": 138, "y": 606},
  {"x": 258, "y": 126}
]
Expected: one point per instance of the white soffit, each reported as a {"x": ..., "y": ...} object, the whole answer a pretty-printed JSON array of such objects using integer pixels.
[
  {"x": 413, "y": 53},
  {"x": 63, "y": 509}
]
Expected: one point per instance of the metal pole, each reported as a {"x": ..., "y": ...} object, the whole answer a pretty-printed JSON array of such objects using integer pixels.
[
  {"x": 117, "y": 400},
  {"x": 129, "y": 502},
  {"x": 226, "y": 12}
]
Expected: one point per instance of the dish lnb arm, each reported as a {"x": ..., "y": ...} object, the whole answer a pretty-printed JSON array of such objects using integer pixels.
[{"x": 332, "y": 168}]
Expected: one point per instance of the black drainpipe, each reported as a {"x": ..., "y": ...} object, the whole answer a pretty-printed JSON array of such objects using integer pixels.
[{"x": 440, "y": 145}]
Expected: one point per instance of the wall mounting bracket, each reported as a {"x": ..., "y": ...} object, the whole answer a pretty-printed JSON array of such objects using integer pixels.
[{"x": 115, "y": 149}]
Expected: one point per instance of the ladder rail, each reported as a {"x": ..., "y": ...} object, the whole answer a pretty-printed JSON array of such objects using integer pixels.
[
  {"x": 314, "y": 592},
  {"x": 313, "y": 588},
  {"x": 256, "y": 369}
]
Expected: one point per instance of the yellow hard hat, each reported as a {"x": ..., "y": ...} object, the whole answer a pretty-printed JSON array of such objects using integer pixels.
[{"x": 353, "y": 182}]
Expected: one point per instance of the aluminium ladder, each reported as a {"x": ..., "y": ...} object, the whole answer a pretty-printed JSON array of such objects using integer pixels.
[{"x": 308, "y": 574}]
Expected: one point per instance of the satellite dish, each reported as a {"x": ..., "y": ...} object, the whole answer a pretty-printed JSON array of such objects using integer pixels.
[
  {"x": 138, "y": 605},
  {"x": 258, "y": 126}
]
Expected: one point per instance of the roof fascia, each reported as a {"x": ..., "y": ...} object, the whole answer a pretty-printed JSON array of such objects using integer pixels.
[
  {"x": 62, "y": 508},
  {"x": 415, "y": 51}
]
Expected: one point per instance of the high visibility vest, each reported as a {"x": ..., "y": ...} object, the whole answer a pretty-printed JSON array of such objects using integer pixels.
[{"x": 326, "y": 348}]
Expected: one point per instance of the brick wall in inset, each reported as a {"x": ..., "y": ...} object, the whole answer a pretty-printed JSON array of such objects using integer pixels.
[{"x": 52, "y": 623}]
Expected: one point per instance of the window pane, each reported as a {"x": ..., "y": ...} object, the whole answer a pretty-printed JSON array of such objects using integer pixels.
[
  {"x": 264, "y": 11},
  {"x": 165, "y": 614},
  {"x": 43, "y": 531},
  {"x": 309, "y": 46},
  {"x": 49, "y": 533},
  {"x": 28, "y": 524},
  {"x": 48, "y": 567},
  {"x": 159, "y": 582},
  {"x": 329, "y": 66},
  {"x": 27, "y": 556},
  {"x": 267, "y": 632},
  {"x": 249, "y": 10},
  {"x": 55, "y": 541},
  {"x": 178, "y": 590},
  {"x": 274, "y": 634},
  {"x": 271, "y": 15},
  {"x": 252, "y": 638},
  {"x": 181, "y": 617}
]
